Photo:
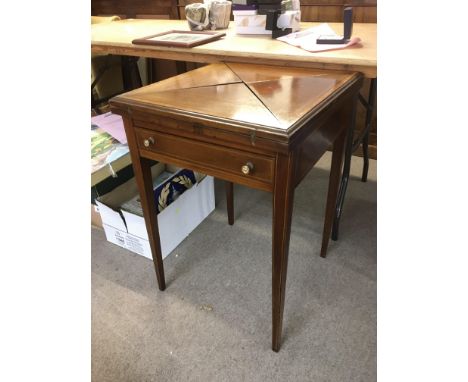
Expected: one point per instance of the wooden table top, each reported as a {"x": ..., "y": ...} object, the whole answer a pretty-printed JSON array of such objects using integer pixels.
[
  {"x": 116, "y": 38},
  {"x": 239, "y": 97}
]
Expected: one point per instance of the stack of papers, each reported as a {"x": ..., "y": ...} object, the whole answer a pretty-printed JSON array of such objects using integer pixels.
[
  {"x": 307, "y": 39},
  {"x": 109, "y": 149},
  {"x": 111, "y": 124}
]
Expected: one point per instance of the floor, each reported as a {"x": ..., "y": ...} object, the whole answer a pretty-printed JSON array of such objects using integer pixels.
[{"x": 213, "y": 322}]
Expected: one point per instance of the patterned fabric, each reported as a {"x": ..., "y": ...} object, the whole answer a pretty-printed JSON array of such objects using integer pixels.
[
  {"x": 163, "y": 195},
  {"x": 170, "y": 190},
  {"x": 182, "y": 181}
]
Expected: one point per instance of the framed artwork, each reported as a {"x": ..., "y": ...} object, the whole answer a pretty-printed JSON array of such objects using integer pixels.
[{"x": 183, "y": 39}]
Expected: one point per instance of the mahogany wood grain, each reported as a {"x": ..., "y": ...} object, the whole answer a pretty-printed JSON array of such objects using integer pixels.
[
  {"x": 249, "y": 73},
  {"x": 283, "y": 197},
  {"x": 230, "y": 201},
  {"x": 214, "y": 158},
  {"x": 142, "y": 171},
  {"x": 206, "y": 131},
  {"x": 317, "y": 137},
  {"x": 333, "y": 187},
  {"x": 204, "y": 76},
  {"x": 273, "y": 104},
  {"x": 219, "y": 140},
  {"x": 222, "y": 101}
]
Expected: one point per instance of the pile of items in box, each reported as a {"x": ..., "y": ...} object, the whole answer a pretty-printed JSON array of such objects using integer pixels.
[
  {"x": 183, "y": 199},
  {"x": 276, "y": 17}
]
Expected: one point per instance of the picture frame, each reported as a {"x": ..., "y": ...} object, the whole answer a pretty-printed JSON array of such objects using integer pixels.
[{"x": 180, "y": 38}]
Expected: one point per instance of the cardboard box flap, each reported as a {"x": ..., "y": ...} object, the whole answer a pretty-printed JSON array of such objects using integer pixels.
[
  {"x": 122, "y": 193},
  {"x": 111, "y": 217},
  {"x": 136, "y": 225},
  {"x": 109, "y": 204}
]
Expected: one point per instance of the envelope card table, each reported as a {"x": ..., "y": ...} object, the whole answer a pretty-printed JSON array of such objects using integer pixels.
[{"x": 260, "y": 126}]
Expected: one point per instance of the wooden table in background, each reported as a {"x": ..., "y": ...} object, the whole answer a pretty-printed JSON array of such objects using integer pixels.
[{"x": 116, "y": 38}]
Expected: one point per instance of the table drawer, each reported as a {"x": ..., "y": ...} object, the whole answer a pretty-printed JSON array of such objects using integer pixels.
[{"x": 207, "y": 155}]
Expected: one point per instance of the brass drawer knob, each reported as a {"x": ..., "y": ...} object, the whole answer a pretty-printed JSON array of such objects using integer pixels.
[
  {"x": 148, "y": 142},
  {"x": 247, "y": 168}
]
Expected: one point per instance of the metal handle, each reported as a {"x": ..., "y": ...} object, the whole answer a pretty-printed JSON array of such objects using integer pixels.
[
  {"x": 247, "y": 168},
  {"x": 148, "y": 142}
]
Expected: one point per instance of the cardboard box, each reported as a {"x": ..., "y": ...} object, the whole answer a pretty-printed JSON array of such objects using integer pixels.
[
  {"x": 175, "y": 222},
  {"x": 256, "y": 24},
  {"x": 251, "y": 24},
  {"x": 95, "y": 217}
]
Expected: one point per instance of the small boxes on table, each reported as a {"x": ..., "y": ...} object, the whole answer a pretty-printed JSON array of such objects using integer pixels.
[
  {"x": 257, "y": 17},
  {"x": 251, "y": 24}
]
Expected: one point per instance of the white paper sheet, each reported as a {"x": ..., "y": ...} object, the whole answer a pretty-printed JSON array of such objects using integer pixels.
[{"x": 307, "y": 39}]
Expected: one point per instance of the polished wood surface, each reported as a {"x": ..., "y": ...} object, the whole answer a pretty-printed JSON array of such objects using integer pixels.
[
  {"x": 202, "y": 155},
  {"x": 142, "y": 170},
  {"x": 214, "y": 74},
  {"x": 271, "y": 155},
  {"x": 253, "y": 94},
  {"x": 230, "y": 201},
  {"x": 116, "y": 38},
  {"x": 333, "y": 188},
  {"x": 232, "y": 101}
]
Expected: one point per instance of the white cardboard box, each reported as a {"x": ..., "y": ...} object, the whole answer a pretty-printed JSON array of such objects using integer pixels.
[
  {"x": 255, "y": 24},
  {"x": 175, "y": 222},
  {"x": 250, "y": 24}
]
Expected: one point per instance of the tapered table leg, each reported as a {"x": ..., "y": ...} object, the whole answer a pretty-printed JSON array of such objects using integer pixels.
[
  {"x": 345, "y": 175},
  {"x": 370, "y": 105},
  {"x": 283, "y": 196},
  {"x": 130, "y": 73},
  {"x": 145, "y": 182},
  {"x": 230, "y": 201},
  {"x": 142, "y": 171},
  {"x": 365, "y": 154},
  {"x": 333, "y": 187},
  {"x": 181, "y": 67}
]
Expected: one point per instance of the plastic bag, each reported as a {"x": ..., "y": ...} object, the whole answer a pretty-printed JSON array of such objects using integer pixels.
[
  {"x": 219, "y": 14},
  {"x": 197, "y": 15}
]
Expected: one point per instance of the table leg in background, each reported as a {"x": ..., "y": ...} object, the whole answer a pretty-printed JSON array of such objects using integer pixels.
[
  {"x": 345, "y": 176},
  {"x": 333, "y": 187}
]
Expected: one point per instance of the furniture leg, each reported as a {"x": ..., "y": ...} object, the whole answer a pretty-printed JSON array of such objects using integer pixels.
[
  {"x": 144, "y": 180},
  {"x": 181, "y": 67},
  {"x": 345, "y": 175},
  {"x": 283, "y": 196},
  {"x": 369, "y": 105},
  {"x": 333, "y": 187},
  {"x": 365, "y": 152},
  {"x": 130, "y": 73},
  {"x": 142, "y": 172},
  {"x": 230, "y": 201},
  {"x": 150, "y": 70}
]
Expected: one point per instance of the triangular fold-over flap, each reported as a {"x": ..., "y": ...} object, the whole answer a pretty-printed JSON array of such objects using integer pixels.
[
  {"x": 232, "y": 101},
  {"x": 209, "y": 75},
  {"x": 291, "y": 98},
  {"x": 254, "y": 73}
]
